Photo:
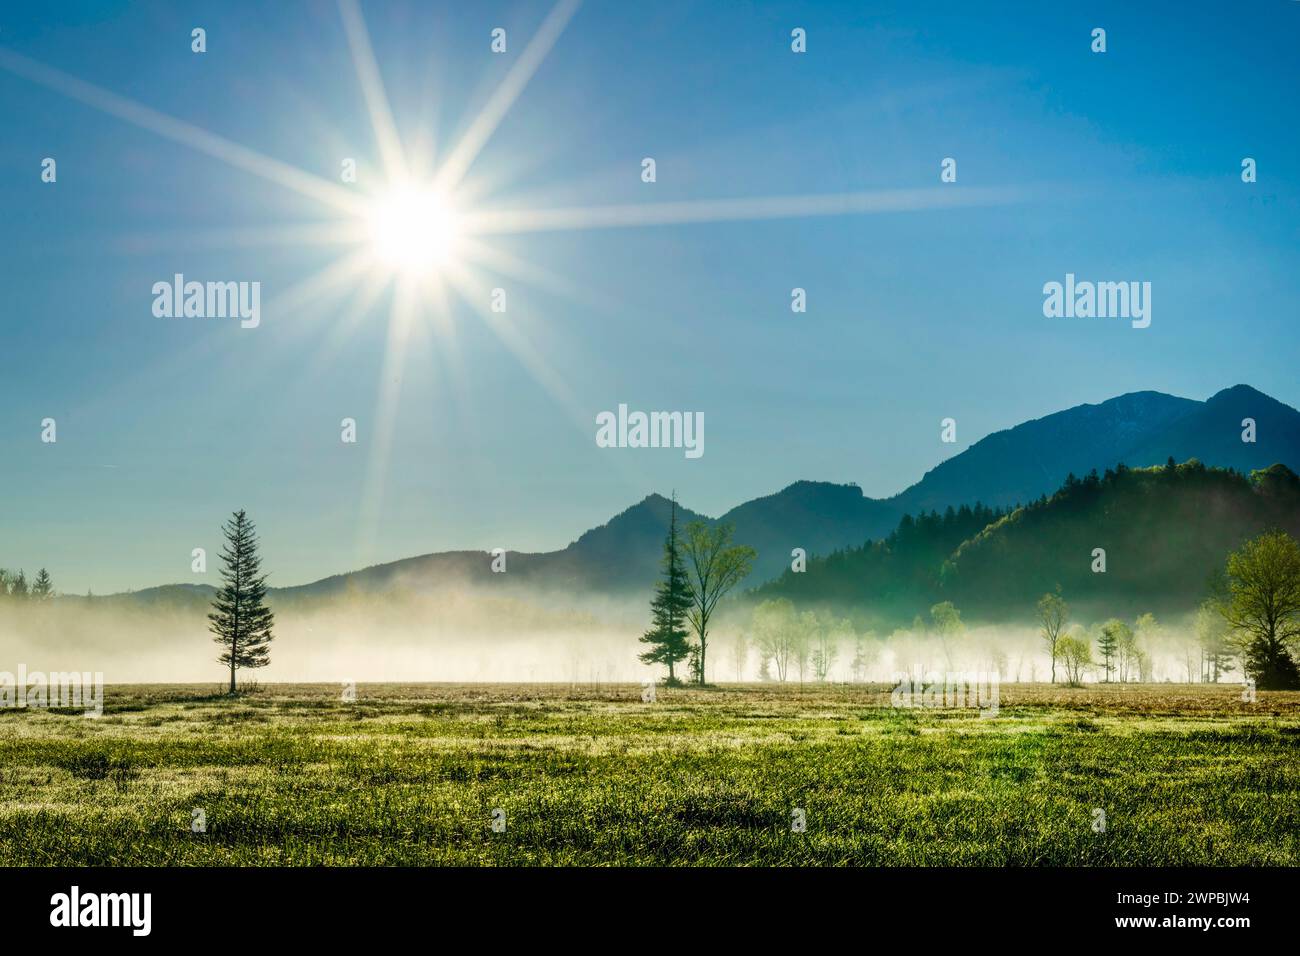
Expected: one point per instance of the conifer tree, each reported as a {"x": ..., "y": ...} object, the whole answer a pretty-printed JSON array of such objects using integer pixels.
[
  {"x": 241, "y": 621},
  {"x": 43, "y": 587},
  {"x": 668, "y": 635},
  {"x": 1109, "y": 643}
]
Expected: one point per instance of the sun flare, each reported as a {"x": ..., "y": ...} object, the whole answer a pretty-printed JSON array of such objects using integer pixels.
[{"x": 413, "y": 229}]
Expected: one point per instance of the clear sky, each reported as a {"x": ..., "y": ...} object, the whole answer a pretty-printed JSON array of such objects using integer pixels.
[{"x": 1116, "y": 166}]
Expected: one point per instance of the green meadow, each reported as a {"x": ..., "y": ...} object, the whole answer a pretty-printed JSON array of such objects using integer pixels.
[{"x": 591, "y": 775}]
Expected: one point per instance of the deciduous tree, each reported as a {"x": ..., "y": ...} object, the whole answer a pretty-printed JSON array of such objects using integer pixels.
[
  {"x": 1262, "y": 606},
  {"x": 1052, "y": 615},
  {"x": 714, "y": 567}
]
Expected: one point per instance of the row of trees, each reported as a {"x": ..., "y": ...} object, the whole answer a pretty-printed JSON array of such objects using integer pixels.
[
  {"x": 1251, "y": 622},
  {"x": 1123, "y": 649},
  {"x": 699, "y": 568},
  {"x": 807, "y": 643},
  {"x": 14, "y": 585},
  {"x": 1123, "y": 653},
  {"x": 1253, "y": 617}
]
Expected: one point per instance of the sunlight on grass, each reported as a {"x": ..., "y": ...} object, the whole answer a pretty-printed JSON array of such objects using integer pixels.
[{"x": 409, "y": 775}]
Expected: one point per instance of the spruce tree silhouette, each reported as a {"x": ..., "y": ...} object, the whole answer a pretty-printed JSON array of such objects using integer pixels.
[{"x": 240, "y": 619}]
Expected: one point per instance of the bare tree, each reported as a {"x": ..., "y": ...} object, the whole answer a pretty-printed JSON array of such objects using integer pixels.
[
  {"x": 774, "y": 628},
  {"x": 805, "y": 636},
  {"x": 1052, "y": 615},
  {"x": 831, "y": 636},
  {"x": 740, "y": 654},
  {"x": 865, "y": 650},
  {"x": 948, "y": 626},
  {"x": 1213, "y": 633}
]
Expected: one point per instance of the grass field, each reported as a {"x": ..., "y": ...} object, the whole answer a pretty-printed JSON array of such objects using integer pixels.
[{"x": 410, "y": 774}]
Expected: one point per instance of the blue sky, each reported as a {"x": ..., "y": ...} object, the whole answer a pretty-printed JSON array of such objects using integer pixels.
[{"x": 1122, "y": 166}]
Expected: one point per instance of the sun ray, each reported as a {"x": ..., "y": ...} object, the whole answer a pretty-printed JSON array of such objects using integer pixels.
[
  {"x": 466, "y": 150},
  {"x": 336, "y": 336},
  {"x": 333, "y": 233},
  {"x": 372, "y": 88},
  {"x": 422, "y": 238},
  {"x": 179, "y": 131},
  {"x": 630, "y": 215},
  {"x": 513, "y": 337},
  {"x": 400, "y": 321},
  {"x": 449, "y": 359},
  {"x": 513, "y": 267},
  {"x": 337, "y": 274}
]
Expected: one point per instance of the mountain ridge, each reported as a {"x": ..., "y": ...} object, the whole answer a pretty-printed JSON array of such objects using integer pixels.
[
  {"x": 1161, "y": 534},
  {"x": 1009, "y": 467}
]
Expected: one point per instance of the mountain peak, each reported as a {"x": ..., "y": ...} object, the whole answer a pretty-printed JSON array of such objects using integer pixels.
[
  {"x": 1242, "y": 394},
  {"x": 1013, "y": 466}
]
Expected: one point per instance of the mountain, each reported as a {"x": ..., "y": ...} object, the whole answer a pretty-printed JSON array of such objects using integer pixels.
[
  {"x": 1212, "y": 432},
  {"x": 1166, "y": 532},
  {"x": 885, "y": 582},
  {"x": 1014, "y": 466},
  {"x": 814, "y": 515},
  {"x": 1020, "y": 464},
  {"x": 619, "y": 556},
  {"x": 623, "y": 554}
]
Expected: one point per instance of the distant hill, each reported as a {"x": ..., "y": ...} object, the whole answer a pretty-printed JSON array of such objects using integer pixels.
[
  {"x": 1211, "y": 432},
  {"x": 1166, "y": 532},
  {"x": 1022, "y": 463},
  {"x": 888, "y": 580},
  {"x": 814, "y": 515},
  {"x": 1015, "y": 466},
  {"x": 621, "y": 555},
  {"x": 185, "y": 597}
]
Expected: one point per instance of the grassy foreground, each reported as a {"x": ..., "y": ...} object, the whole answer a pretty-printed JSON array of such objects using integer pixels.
[{"x": 410, "y": 774}]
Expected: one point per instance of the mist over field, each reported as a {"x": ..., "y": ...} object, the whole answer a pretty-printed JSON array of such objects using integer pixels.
[
  {"x": 371, "y": 638},
  {"x": 473, "y": 637}
]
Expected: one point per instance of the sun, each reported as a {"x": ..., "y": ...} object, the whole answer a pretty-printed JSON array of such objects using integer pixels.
[{"x": 414, "y": 229}]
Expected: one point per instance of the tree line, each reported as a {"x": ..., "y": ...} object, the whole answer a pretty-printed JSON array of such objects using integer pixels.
[
  {"x": 1164, "y": 530},
  {"x": 1251, "y": 618},
  {"x": 804, "y": 644},
  {"x": 15, "y": 586},
  {"x": 1250, "y": 621}
]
